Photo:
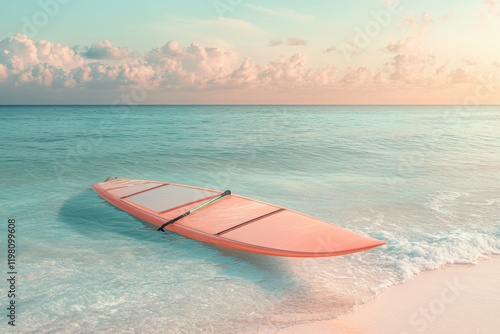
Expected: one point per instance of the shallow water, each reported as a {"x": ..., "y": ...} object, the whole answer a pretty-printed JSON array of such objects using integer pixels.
[{"x": 424, "y": 179}]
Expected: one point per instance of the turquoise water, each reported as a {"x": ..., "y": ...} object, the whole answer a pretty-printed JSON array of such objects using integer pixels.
[{"x": 424, "y": 179}]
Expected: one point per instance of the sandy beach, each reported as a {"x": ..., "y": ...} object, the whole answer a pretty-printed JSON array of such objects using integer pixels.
[{"x": 453, "y": 299}]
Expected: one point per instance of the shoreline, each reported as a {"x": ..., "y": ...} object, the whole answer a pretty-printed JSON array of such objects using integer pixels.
[{"x": 457, "y": 298}]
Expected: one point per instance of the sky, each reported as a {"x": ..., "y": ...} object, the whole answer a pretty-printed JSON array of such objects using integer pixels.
[{"x": 250, "y": 52}]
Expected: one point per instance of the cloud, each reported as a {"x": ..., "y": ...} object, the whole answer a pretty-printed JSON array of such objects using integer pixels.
[
  {"x": 106, "y": 50},
  {"x": 349, "y": 48},
  {"x": 94, "y": 75},
  {"x": 176, "y": 68},
  {"x": 171, "y": 66},
  {"x": 282, "y": 12},
  {"x": 194, "y": 66},
  {"x": 330, "y": 49},
  {"x": 45, "y": 64},
  {"x": 19, "y": 52},
  {"x": 416, "y": 68},
  {"x": 58, "y": 55},
  {"x": 398, "y": 46},
  {"x": 469, "y": 61},
  {"x": 420, "y": 26},
  {"x": 419, "y": 29},
  {"x": 490, "y": 11},
  {"x": 44, "y": 75},
  {"x": 413, "y": 65},
  {"x": 291, "y": 72},
  {"x": 491, "y": 7},
  {"x": 275, "y": 42},
  {"x": 460, "y": 76},
  {"x": 360, "y": 76},
  {"x": 292, "y": 41},
  {"x": 246, "y": 75},
  {"x": 441, "y": 69},
  {"x": 448, "y": 15},
  {"x": 295, "y": 41},
  {"x": 3, "y": 73}
]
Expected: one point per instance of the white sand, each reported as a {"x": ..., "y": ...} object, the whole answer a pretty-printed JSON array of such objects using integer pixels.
[{"x": 455, "y": 299}]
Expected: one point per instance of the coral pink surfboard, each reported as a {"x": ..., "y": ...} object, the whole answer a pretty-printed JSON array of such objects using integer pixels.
[{"x": 232, "y": 221}]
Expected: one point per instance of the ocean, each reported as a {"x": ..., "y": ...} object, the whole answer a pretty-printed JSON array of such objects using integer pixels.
[{"x": 425, "y": 179}]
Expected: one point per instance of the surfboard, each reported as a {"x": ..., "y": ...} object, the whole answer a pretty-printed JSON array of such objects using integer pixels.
[{"x": 229, "y": 220}]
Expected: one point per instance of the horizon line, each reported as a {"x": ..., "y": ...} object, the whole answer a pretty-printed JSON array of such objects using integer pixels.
[{"x": 243, "y": 105}]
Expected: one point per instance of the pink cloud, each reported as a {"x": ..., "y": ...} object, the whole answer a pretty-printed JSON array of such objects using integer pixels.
[
  {"x": 330, "y": 49},
  {"x": 360, "y": 76},
  {"x": 419, "y": 29},
  {"x": 412, "y": 64},
  {"x": 47, "y": 75},
  {"x": 292, "y": 41},
  {"x": 469, "y": 61},
  {"x": 397, "y": 46},
  {"x": 3, "y": 73},
  {"x": 106, "y": 50},
  {"x": 275, "y": 42},
  {"x": 95, "y": 75},
  {"x": 196, "y": 68},
  {"x": 246, "y": 75},
  {"x": 441, "y": 69},
  {"x": 295, "y": 41},
  {"x": 139, "y": 73},
  {"x": 489, "y": 12},
  {"x": 460, "y": 76},
  {"x": 19, "y": 52}
]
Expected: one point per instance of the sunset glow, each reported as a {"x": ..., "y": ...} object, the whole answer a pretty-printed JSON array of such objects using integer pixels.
[{"x": 250, "y": 52}]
